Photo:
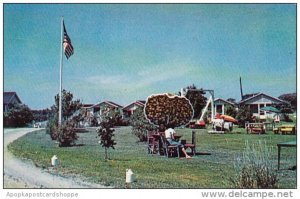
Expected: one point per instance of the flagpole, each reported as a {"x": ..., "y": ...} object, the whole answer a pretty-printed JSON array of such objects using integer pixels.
[{"x": 60, "y": 76}]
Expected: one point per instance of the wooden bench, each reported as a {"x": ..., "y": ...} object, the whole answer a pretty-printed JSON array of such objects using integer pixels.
[
  {"x": 192, "y": 145},
  {"x": 169, "y": 149},
  {"x": 256, "y": 128},
  {"x": 287, "y": 129}
]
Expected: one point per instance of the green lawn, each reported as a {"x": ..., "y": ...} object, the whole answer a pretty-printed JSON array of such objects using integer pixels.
[{"x": 212, "y": 167}]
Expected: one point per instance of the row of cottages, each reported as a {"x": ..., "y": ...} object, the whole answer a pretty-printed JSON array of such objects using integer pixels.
[
  {"x": 92, "y": 111},
  {"x": 254, "y": 101},
  {"x": 9, "y": 99}
]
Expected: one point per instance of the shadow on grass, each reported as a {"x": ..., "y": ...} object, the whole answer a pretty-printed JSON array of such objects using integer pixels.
[{"x": 203, "y": 153}]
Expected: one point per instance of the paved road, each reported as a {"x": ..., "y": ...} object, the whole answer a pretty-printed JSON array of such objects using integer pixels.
[{"x": 24, "y": 174}]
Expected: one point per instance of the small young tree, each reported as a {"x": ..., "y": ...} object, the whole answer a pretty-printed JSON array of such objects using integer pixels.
[{"x": 106, "y": 131}]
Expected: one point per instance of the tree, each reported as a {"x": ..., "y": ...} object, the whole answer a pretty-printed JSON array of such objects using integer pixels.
[
  {"x": 106, "y": 130},
  {"x": 18, "y": 115},
  {"x": 291, "y": 98},
  {"x": 69, "y": 106},
  {"x": 65, "y": 134},
  {"x": 140, "y": 125},
  {"x": 244, "y": 114},
  {"x": 197, "y": 99},
  {"x": 42, "y": 115}
]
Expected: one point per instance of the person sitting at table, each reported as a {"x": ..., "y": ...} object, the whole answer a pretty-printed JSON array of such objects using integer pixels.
[{"x": 169, "y": 134}]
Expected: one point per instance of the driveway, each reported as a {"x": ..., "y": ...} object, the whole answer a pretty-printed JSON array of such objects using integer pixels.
[{"x": 24, "y": 174}]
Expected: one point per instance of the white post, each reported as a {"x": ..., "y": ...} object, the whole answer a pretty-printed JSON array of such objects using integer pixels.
[
  {"x": 212, "y": 105},
  {"x": 60, "y": 76},
  {"x": 181, "y": 92},
  {"x": 223, "y": 109}
]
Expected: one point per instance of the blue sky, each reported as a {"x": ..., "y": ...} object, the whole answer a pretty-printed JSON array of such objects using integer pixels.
[{"x": 126, "y": 52}]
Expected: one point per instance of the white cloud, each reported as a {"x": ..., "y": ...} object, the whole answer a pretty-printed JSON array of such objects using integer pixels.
[
  {"x": 130, "y": 86},
  {"x": 106, "y": 80}
]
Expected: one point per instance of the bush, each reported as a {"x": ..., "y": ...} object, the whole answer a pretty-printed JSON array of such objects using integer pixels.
[
  {"x": 254, "y": 169},
  {"x": 231, "y": 111},
  {"x": 51, "y": 128},
  {"x": 71, "y": 115},
  {"x": 244, "y": 114},
  {"x": 286, "y": 118},
  {"x": 140, "y": 125},
  {"x": 66, "y": 134}
]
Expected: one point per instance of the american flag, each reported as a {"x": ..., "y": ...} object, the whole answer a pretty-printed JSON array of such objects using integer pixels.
[{"x": 68, "y": 48}]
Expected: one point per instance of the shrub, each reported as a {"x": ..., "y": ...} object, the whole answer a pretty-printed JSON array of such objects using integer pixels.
[
  {"x": 254, "y": 169},
  {"x": 66, "y": 134},
  {"x": 51, "y": 128},
  {"x": 140, "y": 125},
  {"x": 243, "y": 115},
  {"x": 71, "y": 115},
  {"x": 231, "y": 111},
  {"x": 286, "y": 118}
]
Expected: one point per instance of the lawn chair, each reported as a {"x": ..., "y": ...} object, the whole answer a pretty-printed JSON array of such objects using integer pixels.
[
  {"x": 192, "y": 145},
  {"x": 169, "y": 149}
]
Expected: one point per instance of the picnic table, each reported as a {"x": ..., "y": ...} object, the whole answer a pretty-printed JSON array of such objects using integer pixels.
[
  {"x": 285, "y": 144},
  {"x": 257, "y": 128},
  {"x": 285, "y": 129}
]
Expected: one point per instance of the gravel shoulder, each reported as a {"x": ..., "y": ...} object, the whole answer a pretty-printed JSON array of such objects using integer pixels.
[{"x": 24, "y": 174}]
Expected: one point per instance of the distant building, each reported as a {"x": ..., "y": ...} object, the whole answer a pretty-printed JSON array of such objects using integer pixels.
[
  {"x": 85, "y": 108},
  {"x": 87, "y": 115},
  {"x": 9, "y": 99},
  {"x": 246, "y": 96},
  {"x": 101, "y": 108},
  {"x": 129, "y": 109},
  {"x": 259, "y": 100},
  {"x": 221, "y": 105}
]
